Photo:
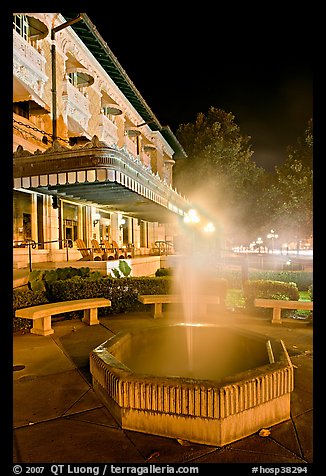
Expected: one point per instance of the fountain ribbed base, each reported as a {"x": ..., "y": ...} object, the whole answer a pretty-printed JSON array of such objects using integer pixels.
[{"x": 211, "y": 412}]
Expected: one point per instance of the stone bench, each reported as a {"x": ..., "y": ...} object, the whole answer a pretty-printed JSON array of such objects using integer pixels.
[
  {"x": 278, "y": 304},
  {"x": 41, "y": 314},
  {"x": 159, "y": 299}
]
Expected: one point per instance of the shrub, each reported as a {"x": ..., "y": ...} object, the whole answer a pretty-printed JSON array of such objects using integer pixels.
[
  {"x": 40, "y": 280},
  {"x": 268, "y": 289},
  {"x": 22, "y": 298},
  {"x": 233, "y": 277},
  {"x": 123, "y": 270},
  {"x": 310, "y": 292},
  {"x": 303, "y": 279},
  {"x": 164, "y": 272},
  {"x": 123, "y": 292}
]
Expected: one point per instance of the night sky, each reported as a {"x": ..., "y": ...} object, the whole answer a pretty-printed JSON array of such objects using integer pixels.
[{"x": 258, "y": 69}]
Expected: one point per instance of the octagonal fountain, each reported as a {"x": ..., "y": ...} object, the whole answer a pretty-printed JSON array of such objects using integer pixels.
[{"x": 208, "y": 384}]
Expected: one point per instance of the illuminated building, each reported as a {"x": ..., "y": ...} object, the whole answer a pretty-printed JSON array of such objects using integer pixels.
[{"x": 91, "y": 160}]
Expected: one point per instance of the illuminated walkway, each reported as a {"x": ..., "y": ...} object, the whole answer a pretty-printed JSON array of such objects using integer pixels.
[{"x": 58, "y": 418}]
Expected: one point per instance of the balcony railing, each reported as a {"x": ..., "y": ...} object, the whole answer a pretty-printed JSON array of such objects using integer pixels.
[
  {"x": 28, "y": 64},
  {"x": 76, "y": 104},
  {"x": 107, "y": 130},
  {"x": 131, "y": 146}
]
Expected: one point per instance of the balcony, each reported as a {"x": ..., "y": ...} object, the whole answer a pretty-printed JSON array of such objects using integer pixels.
[
  {"x": 29, "y": 65},
  {"x": 131, "y": 146},
  {"x": 107, "y": 130},
  {"x": 76, "y": 106},
  {"x": 145, "y": 158}
]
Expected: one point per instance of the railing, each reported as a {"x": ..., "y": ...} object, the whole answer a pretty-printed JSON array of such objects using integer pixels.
[
  {"x": 165, "y": 247},
  {"x": 32, "y": 244}
]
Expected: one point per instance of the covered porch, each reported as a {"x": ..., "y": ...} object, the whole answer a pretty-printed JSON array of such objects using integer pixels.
[{"x": 115, "y": 196}]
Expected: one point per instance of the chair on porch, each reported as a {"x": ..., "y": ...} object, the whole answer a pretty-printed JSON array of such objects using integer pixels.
[
  {"x": 130, "y": 250},
  {"x": 120, "y": 252},
  {"x": 99, "y": 253},
  {"x": 109, "y": 249},
  {"x": 88, "y": 254}
]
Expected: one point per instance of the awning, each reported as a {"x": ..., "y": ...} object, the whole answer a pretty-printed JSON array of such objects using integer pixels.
[
  {"x": 98, "y": 175},
  {"x": 22, "y": 92}
]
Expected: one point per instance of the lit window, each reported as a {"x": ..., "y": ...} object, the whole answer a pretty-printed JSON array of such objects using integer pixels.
[{"x": 21, "y": 25}]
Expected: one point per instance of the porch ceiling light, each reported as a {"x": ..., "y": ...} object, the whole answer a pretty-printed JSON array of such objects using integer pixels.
[
  {"x": 149, "y": 147},
  {"x": 122, "y": 222},
  {"x": 96, "y": 218},
  {"x": 133, "y": 132},
  {"x": 113, "y": 109},
  {"x": 85, "y": 79}
]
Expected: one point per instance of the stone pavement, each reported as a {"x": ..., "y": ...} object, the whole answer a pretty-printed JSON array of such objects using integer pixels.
[{"x": 59, "y": 419}]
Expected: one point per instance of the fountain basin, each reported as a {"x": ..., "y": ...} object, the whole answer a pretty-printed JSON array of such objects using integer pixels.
[{"x": 203, "y": 383}]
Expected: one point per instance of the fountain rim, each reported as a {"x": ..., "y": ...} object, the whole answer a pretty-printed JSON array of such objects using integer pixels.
[{"x": 125, "y": 373}]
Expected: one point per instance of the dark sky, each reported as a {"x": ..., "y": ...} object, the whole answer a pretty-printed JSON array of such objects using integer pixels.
[{"x": 258, "y": 69}]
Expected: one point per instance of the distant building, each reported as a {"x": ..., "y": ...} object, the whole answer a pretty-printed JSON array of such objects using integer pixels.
[{"x": 91, "y": 160}]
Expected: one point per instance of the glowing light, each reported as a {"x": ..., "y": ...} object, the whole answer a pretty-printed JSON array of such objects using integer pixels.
[
  {"x": 209, "y": 228},
  {"x": 191, "y": 217},
  {"x": 96, "y": 218},
  {"x": 272, "y": 234}
]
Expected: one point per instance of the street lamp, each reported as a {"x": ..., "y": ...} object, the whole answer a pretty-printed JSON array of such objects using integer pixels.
[
  {"x": 259, "y": 242},
  {"x": 191, "y": 217},
  {"x": 272, "y": 235},
  {"x": 209, "y": 228}
]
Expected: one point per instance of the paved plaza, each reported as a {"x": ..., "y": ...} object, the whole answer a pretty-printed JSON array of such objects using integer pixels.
[{"x": 59, "y": 419}]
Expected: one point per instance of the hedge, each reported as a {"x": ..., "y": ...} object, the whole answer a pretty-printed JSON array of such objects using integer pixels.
[
  {"x": 268, "y": 289},
  {"x": 26, "y": 298},
  {"x": 123, "y": 293},
  {"x": 303, "y": 279}
]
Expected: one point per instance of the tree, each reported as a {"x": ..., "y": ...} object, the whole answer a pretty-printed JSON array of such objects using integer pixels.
[
  {"x": 219, "y": 172},
  {"x": 292, "y": 192}
]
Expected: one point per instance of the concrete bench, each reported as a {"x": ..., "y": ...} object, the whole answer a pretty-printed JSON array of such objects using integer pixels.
[
  {"x": 159, "y": 299},
  {"x": 41, "y": 314},
  {"x": 278, "y": 304}
]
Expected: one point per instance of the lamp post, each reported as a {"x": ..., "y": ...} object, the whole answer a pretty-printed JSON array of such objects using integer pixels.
[
  {"x": 272, "y": 235},
  {"x": 191, "y": 218},
  {"x": 259, "y": 242},
  {"x": 209, "y": 230}
]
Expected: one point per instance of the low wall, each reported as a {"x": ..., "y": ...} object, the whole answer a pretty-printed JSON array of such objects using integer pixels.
[{"x": 140, "y": 266}]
